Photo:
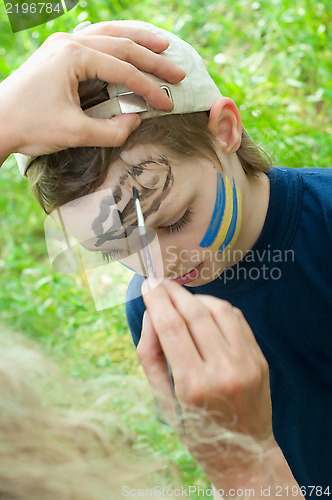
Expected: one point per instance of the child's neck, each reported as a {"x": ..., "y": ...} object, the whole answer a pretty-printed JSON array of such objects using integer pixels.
[{"x": 255, "y": 202}]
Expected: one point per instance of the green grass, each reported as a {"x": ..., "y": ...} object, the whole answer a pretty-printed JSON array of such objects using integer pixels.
[{"x": 273, "y": 58}]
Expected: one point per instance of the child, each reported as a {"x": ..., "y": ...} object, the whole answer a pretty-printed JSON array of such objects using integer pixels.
[
  {"x": 229, "y": 226},
  {"x": 46, "y": 450}
]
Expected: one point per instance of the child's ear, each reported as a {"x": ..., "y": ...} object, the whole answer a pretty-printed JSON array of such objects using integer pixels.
[{"x": 225, "y": 122}]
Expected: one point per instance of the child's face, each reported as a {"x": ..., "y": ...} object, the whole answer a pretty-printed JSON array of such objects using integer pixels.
[{"x": 183, "y": 202}]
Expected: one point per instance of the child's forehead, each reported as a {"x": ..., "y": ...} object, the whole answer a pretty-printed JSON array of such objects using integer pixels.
[{"x": 145, "y": 167}]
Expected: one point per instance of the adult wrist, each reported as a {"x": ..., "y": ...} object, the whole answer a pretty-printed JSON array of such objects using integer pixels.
[
  {"x": 9, "y": 127},
  {"x": 268, "y": 471}
]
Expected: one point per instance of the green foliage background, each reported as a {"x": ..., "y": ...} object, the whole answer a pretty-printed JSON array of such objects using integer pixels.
[{"x": 273, "y": 57}]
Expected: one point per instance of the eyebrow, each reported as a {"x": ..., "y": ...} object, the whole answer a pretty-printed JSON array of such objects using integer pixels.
[{"x": 109, "y": 201}]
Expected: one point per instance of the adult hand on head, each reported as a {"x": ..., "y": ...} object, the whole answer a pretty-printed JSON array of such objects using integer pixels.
[
  {"x": 40, "y": 109},
  {"x": 219, "y": 373}
]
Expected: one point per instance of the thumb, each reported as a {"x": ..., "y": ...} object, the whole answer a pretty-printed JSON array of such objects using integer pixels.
[
  {"x": 146, "y": 322},
  {"x": 153, "y": 361},
  {"x": 111, "y": 132},
  {"x": 149, "y": 340}
]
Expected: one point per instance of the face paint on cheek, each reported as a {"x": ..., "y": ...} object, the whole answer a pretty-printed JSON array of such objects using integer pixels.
[{"x": 225, "y": 222}]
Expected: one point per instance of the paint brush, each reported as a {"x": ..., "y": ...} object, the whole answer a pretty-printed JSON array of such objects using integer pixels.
[
  {"x": 150, "y": 269},
  {"x": 151, "y": 272}
]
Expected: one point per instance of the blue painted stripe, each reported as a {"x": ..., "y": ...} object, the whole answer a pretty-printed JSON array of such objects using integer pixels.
[
  {"x": 232, "y": 226},
  {"x": 218, "y": 213}
]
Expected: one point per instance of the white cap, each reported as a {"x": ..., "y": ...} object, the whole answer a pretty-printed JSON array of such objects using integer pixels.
[{"x": 196, "y": 92}]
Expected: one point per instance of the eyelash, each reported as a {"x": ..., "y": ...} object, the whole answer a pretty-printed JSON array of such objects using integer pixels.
[
  {"x": 180, "y": 224},
  {"x": 110, "y": 256},
  {"x": 173, "y": 228}
]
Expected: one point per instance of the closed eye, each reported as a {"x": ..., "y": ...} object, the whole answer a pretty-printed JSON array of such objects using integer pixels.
[{"x": 180, "y": 224}]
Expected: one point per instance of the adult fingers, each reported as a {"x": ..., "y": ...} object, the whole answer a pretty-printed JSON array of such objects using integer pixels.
[
  {"x": 153, "y": 361},
  {"x": 238, "y": 334},
  {"x": 124, "y": 30},
  {"x": 141, "y": 57},
  {"x": 206, "y": 333},
  {"x": 89, "y": 64},
  {"x": 86, "y": 131},
  {"x": 231, "y": 321},
  {"x": 175, "y": 339}
]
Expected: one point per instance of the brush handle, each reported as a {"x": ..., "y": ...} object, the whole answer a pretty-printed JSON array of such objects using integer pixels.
[
  {"x": 177, "y": 406},
  {"x": 151, "y": 272}
]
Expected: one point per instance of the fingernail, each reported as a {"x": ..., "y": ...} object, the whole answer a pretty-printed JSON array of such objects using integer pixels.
[
  {"x": 160, "y": 37},
  {"x": 146, "y": 320},
  {"x": 150, "y": 283}
]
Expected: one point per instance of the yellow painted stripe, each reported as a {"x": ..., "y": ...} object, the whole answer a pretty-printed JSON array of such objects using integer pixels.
[
  {"x": 219, "y": 239},
  {"x": 238, "y": 224}
]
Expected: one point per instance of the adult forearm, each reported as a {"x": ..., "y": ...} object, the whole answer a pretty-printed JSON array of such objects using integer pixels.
[{"x": 7, "y": 127}]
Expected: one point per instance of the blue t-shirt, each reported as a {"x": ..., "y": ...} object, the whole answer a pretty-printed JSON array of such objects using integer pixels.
[{"x": 284, "y": 288}]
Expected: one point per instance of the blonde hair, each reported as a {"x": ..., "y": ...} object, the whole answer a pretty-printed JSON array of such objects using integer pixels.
[
  {"x": 54, "y": 443},
  {"x": 63, "y": 440},
  {"x": 61, "y": 177}
]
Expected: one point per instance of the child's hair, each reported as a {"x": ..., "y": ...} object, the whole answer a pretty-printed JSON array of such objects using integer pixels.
[{"x": 67, "y": 175}]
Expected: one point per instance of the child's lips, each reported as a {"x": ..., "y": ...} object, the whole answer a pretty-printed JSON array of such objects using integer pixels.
[{"x": 191, "y": 276}]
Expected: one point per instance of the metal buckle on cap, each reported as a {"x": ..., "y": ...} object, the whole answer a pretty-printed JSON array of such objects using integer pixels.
[
  {"x": 169, "y": 95},
  {"x": 130, "y": 102},
  {"x": 123, "y": 102}
]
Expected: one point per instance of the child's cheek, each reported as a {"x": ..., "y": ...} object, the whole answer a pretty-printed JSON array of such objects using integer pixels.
[{"x": 225, "y": 223}]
